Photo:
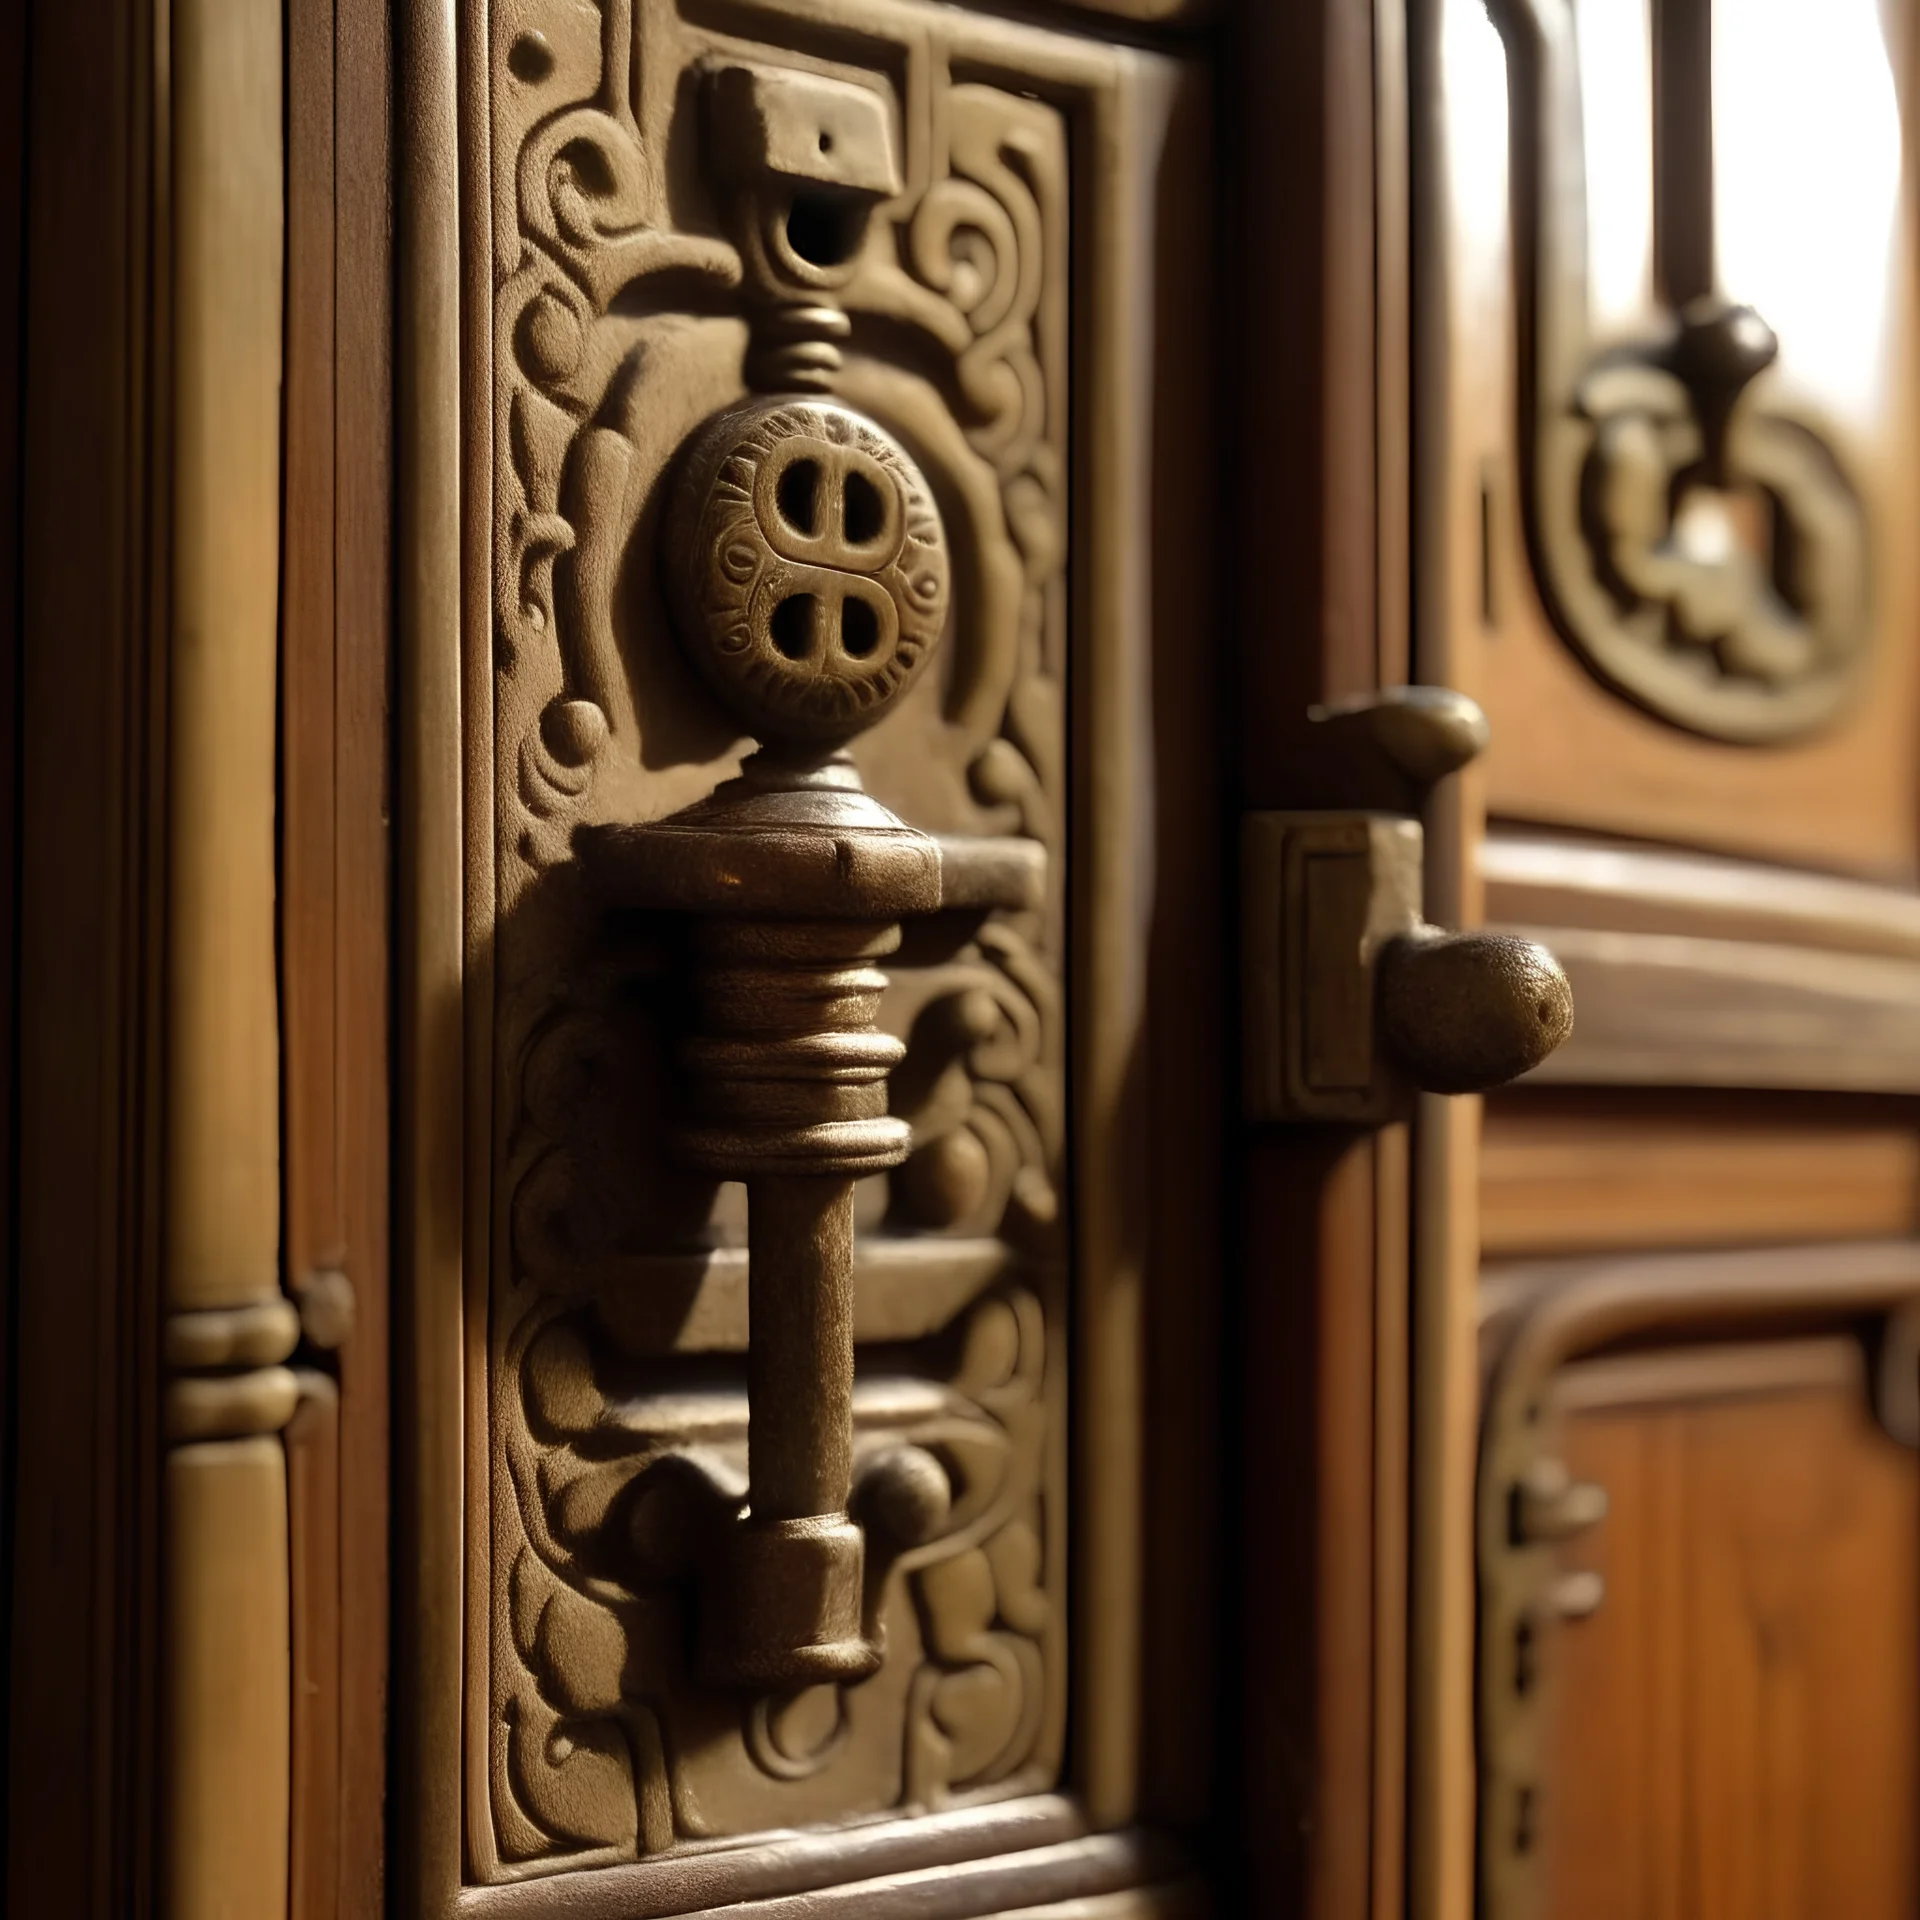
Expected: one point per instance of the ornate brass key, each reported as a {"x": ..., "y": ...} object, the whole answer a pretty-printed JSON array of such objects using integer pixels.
[{"x": 810, "y": 580}]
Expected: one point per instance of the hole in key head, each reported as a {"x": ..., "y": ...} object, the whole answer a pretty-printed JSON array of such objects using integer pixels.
[
  {"x": 791, "y": 627},
  {"x": 825, "y": 228},
  {"x": 866, "y": 512},
  {"x": 798, "y": 497},
  {"x": 530, "y": 58},
  {"x": 859, "y": 627}
]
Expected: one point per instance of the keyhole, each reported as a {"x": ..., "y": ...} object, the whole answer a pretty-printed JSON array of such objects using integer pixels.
[
  {"x": 859, "y": 627},
  {"x": 865, "y": 512},
  {"x": 791, "y": 627},
  {"x": 825, "y": 227},
  {"x": 798, "y": 497}
]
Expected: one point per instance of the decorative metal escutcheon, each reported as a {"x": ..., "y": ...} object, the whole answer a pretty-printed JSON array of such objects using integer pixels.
[
  {"x": 807, "y": 565},
  {"x": 1694, "y": 531}
]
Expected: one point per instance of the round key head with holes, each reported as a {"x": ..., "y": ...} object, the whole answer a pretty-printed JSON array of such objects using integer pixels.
[{"x": 806, "y": 567}]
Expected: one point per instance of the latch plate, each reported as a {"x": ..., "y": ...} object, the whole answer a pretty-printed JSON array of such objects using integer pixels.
[{"x": 1324, "y": 893}]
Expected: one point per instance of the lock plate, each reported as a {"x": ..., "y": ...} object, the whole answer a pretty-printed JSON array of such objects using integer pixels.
[{"x": 1323, "y": 893}]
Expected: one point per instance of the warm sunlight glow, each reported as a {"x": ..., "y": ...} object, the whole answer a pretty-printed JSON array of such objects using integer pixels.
[
  {"x": 1475, "y": 79},
  {"x": 1616, "y": 87},
  {"x": 1807, "y": 184}
]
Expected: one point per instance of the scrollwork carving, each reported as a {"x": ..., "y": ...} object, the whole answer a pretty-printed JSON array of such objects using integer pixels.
[
  {"x": 606, "y": 1745},
  {"x": 1723, "y": 539},
  {"x": 982, "y": 1095}
]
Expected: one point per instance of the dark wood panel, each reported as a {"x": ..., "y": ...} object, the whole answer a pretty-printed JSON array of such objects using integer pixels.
[
  {"x": 13, "y": 187},
  {"x": 1738, "y": 1727},
  {"x": 334, "y": 887},
  {"x": 81, "y": 1698},
  {"x": 1306, "y": 1588},
  {"x": 1565, "y": 1171}
]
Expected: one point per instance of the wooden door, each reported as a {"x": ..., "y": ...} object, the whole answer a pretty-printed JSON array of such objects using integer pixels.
[
  {"x": 740, "y": 979},
  {"x": 1670, "y": 277}
]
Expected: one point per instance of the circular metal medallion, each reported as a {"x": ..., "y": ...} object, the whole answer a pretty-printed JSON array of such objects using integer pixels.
[{"x": 807, "y": 567}]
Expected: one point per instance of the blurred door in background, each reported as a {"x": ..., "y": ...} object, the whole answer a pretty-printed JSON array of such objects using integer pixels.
[{"x": 1667, "y": 436}]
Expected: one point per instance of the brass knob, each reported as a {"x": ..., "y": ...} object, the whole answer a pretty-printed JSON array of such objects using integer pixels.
[{"x": 1465, "y": 1012}]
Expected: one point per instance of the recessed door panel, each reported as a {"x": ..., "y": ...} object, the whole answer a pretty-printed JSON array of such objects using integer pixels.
[
  {"x": 1672, "y": 260},
  {"x": 801, "y": 366}
]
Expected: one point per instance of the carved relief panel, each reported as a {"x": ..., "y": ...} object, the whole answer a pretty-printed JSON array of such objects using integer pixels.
[
  {"x": 769, "y": 405},
  {"x": 1672, "y": 270},
  {"x": 641, "y": 306}
]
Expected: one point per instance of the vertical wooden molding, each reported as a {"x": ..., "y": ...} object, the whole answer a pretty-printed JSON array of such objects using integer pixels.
[
  {"x": 1446, "y": 1408},
  {"x": 223, "y": 1101},
  {"x": 1112, "y": 1233},
  {"x": 430, "y": 929},
  {"x": 313, "y": 1509},
  {"x": 1446, "y": 1258},
  {"x": 1392, "y": 1386},
  {"x": 1450, "y": 603},
  {"x": 335, "y": 652},
  {"x": 226, "y": 1756},
  {"x": 226, "y": 1650}
]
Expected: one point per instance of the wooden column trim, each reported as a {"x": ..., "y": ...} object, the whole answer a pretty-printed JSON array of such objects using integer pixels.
[
  {"x": 225, "y": 1645},
  {"x": 429, "y": 1189}
]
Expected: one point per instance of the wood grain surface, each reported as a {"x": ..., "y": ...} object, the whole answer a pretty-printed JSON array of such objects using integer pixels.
[
  {"x": 1739, "y": 1724},
  {"x": 335, "y": 652},
  {"x": 1607, "y": 1170}
]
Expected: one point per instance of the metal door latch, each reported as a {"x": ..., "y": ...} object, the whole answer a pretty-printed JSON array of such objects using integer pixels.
[{"x": 1352, "y": 1001}]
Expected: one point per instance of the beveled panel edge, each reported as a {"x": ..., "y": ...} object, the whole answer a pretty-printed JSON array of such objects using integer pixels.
[
  {"x": 1696, "y": 970},
  {"x": 949, "y": 1866},
  {"x": 1542, "y": 879},
  {"x": 1654, "y": 1009},
  {"x": 1692, "y": 1376},
  {"x": 1537, "y": 1316}
]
